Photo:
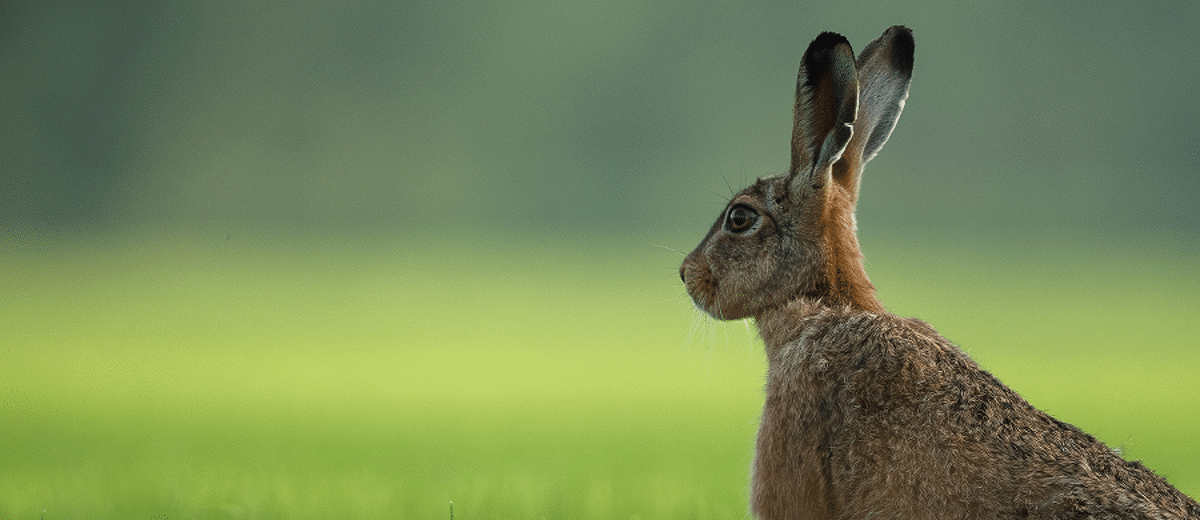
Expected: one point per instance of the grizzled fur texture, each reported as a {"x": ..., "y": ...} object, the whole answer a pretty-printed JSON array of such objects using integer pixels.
[{"x": 867, "y": 414}]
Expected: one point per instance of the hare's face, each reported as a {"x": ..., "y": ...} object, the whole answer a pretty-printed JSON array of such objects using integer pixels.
[
  {"x": 755, "y": 256},
  {"x": 793, "y": 236}
]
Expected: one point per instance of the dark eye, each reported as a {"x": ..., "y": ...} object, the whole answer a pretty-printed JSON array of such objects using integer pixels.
[{"x": 740, "y": 219}]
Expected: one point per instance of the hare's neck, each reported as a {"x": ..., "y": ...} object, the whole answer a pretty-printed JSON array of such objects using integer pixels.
[
  {"x": 848, "y": 282},
  {"x": 846, "y": 289},
  {"x": 785, "y": 324},
  {"x": 801, "y": 321}
]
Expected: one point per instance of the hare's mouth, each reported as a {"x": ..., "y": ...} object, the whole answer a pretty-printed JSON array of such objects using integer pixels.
[{"x": 700, "y": 284}]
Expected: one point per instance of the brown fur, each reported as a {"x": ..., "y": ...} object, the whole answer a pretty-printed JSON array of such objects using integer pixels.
[{"x": 867, "y": 414}]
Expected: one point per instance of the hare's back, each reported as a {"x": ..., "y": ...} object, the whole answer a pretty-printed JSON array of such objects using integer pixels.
[{"x": 910, "y": 414}]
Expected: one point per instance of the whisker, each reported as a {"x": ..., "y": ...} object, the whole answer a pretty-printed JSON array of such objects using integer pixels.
[
  {"x": 728, "y": 186},
  {"x": 669, "y": 249}
]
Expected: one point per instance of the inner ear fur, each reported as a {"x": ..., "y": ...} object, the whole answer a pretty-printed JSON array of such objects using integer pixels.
[
  {"x": 884, "y": 73},
  {"x": 826, "y": 105}
]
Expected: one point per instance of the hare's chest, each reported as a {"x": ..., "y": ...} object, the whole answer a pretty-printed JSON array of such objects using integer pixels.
[{"x": 789, "y": 467}]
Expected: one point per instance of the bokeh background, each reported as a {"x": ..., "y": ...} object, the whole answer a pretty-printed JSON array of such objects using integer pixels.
[{"x": 363, "y": 259}]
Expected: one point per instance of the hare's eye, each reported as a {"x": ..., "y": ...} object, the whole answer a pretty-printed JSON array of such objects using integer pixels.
[{"x": 740, "y": 219}]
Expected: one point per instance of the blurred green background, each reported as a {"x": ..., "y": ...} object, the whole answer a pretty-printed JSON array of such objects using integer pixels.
[{"x": 362, "y": 259}]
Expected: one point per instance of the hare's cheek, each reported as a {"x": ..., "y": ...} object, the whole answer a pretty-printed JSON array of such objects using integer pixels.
[{"x": 727, "y": 296}]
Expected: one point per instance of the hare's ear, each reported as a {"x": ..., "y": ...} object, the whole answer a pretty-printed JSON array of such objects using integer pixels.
[
  {"x": 884, "y": 72},
  {"x": 826, "y": 103}
]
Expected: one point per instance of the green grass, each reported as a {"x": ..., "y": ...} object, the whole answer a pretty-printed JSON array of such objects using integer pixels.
[{"x": 176, "y": 375}]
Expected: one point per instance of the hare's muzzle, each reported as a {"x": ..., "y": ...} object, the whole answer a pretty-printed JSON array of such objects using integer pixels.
[{"x": 698, "y": 281}]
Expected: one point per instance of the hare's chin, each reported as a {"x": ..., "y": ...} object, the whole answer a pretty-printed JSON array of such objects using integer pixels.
[
  {"x": 701, "y": 302},
  {"x": 719, "y": 309},
  {"x": 705, "y": 303}
]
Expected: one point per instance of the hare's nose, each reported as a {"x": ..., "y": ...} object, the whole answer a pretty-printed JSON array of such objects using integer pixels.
[{"x": 682, "y": 275}]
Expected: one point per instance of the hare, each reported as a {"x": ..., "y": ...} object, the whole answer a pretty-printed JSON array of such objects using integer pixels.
[{"x": 868, "y": 414}]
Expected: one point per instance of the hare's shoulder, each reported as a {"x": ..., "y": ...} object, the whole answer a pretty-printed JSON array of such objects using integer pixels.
[
  {"x": 849, "y": 344},
  {"x": 896, "y": 362},
  {"x": 900, "y": 369}
]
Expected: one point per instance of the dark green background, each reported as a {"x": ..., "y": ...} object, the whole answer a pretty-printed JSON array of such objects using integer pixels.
[{"x": 598, "y": 117}]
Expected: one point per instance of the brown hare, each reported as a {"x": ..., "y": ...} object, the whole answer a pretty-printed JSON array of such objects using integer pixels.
[{"x": 868, "y": 414}]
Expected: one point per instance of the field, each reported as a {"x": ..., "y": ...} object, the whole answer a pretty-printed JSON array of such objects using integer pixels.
[{"x": 187, "y": 375}]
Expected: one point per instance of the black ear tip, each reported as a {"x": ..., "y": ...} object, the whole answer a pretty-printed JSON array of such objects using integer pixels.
[
  {"x": 823, "y": 53},
  {"x": 827, "y": 40},
  {"x": 903, "y": 46}
]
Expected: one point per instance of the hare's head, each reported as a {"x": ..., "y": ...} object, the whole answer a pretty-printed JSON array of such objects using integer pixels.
[{"x": 793, "y": 236}]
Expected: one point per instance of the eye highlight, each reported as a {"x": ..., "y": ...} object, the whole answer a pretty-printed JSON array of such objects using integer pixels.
[{"x": 740, "y": 219}]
